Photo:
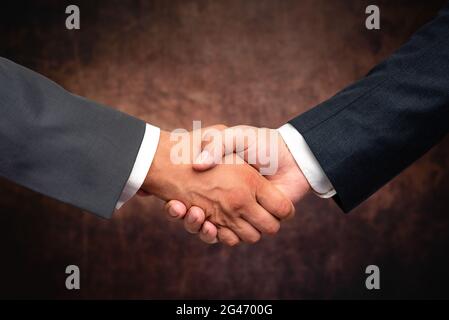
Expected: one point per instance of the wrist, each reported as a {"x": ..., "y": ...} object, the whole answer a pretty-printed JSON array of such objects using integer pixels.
[
  {"x": 296, "y": 183},
  {"x": 157, "y": 174},
  {"x": 295, "y": 170},
  {"x": 168, "y": 178}
]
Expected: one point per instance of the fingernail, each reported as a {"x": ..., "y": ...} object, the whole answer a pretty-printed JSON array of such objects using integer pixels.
[
  {"x": 205, "y": 231},
  {"x": 204, "y": 157},
  {"x": 172, "y": 212},
  {"x": 191, "y": 219}
]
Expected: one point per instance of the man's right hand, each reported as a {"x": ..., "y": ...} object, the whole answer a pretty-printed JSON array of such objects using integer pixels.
[
  {"x": 234, "y": 198},
  {"x": 256, "y": 145}
]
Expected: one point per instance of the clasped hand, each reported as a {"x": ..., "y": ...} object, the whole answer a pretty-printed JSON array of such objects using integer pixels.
[{"x": 217, "y": 194}]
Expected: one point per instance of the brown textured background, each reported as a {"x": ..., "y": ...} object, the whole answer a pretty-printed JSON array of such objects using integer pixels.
[{"x": 233, "y": 62}]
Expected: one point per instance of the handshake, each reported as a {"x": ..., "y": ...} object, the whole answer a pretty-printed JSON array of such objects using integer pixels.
[{"x": 227, "y": 184}]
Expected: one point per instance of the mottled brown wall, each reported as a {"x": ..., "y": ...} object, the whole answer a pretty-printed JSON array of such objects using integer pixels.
[{"x": 253, "y": 62}]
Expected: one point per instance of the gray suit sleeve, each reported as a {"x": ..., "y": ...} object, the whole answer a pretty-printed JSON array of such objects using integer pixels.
[
  {"x": 372, "y": 130},
  {"x": 61, "y": 145}
]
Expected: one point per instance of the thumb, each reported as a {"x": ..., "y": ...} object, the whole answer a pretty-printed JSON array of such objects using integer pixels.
[
  {"x": 204, "y": 161},
  {"x": 213, "y": 150}
]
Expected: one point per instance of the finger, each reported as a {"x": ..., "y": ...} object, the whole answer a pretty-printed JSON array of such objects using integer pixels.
[
  {"x": 262, "y": 220},
  {"x": 273, "y": 200},
  {"x": 245, "y": 231},
  {"x": 209, "y": 233},
  {"x": 227, "y": 236},
  {"x": 175, "y": 210},
  {"x": 194, "y": 219}
]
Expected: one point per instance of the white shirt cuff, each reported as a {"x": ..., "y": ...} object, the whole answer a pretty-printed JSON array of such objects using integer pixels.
[
  {"x": 142, "y": 164},
  {"x": 307, "y": 162}
]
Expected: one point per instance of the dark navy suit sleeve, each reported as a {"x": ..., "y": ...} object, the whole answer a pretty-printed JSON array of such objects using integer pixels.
[
  {"x": 61, "y": 145},
  {"x": 372, "y": 130}
]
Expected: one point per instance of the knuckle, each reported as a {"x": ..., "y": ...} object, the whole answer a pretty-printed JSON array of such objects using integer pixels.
[
  {"x": 236, "y": 207},
  {"x": 253, "y": 179},
  {"x": 236, "y": 200},
  {"x": 191, "y": 230},
  {"x": 208, "y": 239},
  {"x": 254, "y": 238},
  {"x": 272, "y": 229},
  {"x": 285, "y": 208},
  {"x": 220, "y": 126},
  {"x": 231, "y": 242},
  {"x": 226, "y": 237},
  {"x": 211, "y": 239}
]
